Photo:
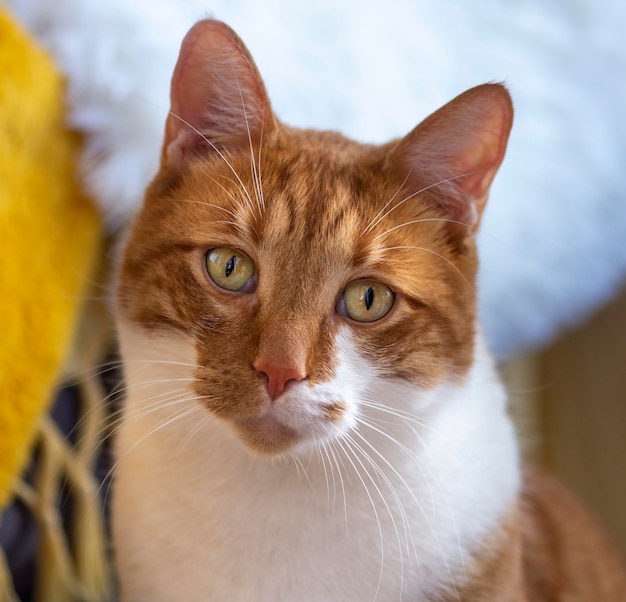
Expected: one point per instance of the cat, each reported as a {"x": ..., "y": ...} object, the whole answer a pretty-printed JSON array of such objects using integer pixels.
[{"x": 311, "y": 411}]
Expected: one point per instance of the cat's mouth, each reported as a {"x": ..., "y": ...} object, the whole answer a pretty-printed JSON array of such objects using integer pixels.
[{"x": 275, "y": 430}]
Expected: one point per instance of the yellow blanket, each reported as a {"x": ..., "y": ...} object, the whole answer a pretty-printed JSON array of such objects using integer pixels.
[{"x": 50, "y": 238}]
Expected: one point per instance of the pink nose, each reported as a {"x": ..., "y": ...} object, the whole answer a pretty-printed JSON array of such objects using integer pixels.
[{"x": 278, "y": 376}]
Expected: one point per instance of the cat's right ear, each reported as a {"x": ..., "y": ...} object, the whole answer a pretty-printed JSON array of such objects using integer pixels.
[{"x": 218, "y": 99}]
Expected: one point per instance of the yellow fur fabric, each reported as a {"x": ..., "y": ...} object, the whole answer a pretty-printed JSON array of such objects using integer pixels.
[{"x": 49, "y": 236}]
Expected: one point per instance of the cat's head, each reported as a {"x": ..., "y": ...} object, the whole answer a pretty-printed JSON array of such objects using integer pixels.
[{"x": 303, "y": 268}]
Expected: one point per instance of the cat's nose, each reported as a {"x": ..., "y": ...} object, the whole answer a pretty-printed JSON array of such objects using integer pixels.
[{"x": 279, "y": 376}]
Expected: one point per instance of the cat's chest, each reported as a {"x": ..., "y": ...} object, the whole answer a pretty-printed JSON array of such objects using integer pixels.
[
  {"x": 346, "y": 528},
  {"x": 385, "y": 516}
]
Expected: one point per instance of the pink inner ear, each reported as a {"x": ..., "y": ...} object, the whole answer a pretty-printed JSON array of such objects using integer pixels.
[
  {"x": 459, "y": 148},
  {"x": 217, "y": 95},
  {"x": 483, "y": 156}
]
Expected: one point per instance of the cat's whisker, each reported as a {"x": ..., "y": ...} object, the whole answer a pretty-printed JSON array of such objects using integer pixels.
[
  {"x": 324, "y": 449},
  {"x": 330, "y": 448},
  {"x": 156, "y": 404},
  {"x": 298, "y": 465},
  {"x": 407, "y": 198},
  {"x": 413, "y": 456},
  {"x": 255, "y": 181},
  {"x": 409, "y": 539},
  {"x": 345, "y": 449},
  {"x": 302, "y": 471},
  {"x": 80, "y": 377},
  {"x": 413, "y": 195},
  {"x": 199, "y": 426},
  {"x": 350, "y": 451},
  {"x": 377, "y": 218},
  {"x": 408, "y": 419},
  {"x": 212, "y": 205},
  {"x": 151, "y": 404},
  {"x": 158, "y": 362},
  {"x": 258, "y": 169},
  {"x": 219, "y": 153},
  {"x": 234, "y": 222},
  {"x": 128, "y": 388},
  {"x": 406, "y": 416},
  {"x": 113, "y": 365},
  {"x": 177, "y": 417},
  {"x": 439, "y": 255},
  {"x": 384, "y": 478},
  {"x": 116, "y": 419},
  {"x": 324, "y": 457},
  {"x": 427, "y": 479},
  {"x": 156, "y": 381},
  {"x": 162, "y": 401},
  {"x": 318, "y": 451},
  {"x": 97, "y": 408},
  {"x": 420, "y": 221},
  {"x": 243, "y": 206},
  {"x": 254, "y": 169}
]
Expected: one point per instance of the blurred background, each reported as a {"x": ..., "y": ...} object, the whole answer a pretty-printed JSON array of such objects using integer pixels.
[{"x": 569, "y": 402}]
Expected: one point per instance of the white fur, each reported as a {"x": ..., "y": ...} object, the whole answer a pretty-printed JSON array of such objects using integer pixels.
[
  {"x": 552, "y": 240},
  {"x": 199, "y": 517}
]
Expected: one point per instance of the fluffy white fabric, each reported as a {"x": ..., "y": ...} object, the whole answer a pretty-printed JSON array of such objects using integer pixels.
[{"x": 552, "y": 238}]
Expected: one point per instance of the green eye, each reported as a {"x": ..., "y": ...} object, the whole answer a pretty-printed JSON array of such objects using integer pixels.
[
  {"x": 229, "y": 269},
  {"x": 367, "y": 300}
]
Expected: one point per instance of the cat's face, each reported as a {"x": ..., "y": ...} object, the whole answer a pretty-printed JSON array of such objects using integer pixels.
[{"x": 303, "y": 268}]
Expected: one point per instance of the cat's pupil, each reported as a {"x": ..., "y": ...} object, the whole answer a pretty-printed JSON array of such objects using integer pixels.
[
  {"x": 369, "y": 298},
  {"x": 230, "y": 266}
]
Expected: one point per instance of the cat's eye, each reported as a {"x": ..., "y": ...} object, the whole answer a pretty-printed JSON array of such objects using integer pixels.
[
  {"x": 229, "y": 269},
  {"x": 366, "y": 301}
]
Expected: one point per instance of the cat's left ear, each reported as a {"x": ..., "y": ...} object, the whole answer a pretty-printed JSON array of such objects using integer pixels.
[{"x": 457, "y": 151}]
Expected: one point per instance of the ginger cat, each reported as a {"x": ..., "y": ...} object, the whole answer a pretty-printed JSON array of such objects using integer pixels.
[{"x": 312, "y": 414}]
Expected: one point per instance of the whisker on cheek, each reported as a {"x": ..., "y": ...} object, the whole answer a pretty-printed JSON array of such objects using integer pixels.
[{"x": 190, "y": 411}]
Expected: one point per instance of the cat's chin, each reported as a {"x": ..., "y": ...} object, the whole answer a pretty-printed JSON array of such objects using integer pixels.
[{"x": 266, "y": 436}]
